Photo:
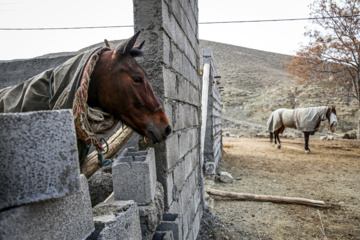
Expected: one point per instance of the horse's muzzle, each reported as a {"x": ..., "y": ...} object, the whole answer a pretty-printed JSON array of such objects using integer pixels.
[
  {"x": 155, "y": 136},
  {"x": 333, "y": 126}
]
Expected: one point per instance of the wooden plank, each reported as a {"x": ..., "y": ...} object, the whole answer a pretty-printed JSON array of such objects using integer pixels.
[
  {"x": 116, "y": 142},
  {"x": 266, "y": 198}
]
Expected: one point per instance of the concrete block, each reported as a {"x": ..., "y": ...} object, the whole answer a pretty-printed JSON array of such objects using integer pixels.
[
  {"x": 134, "y": 176},
  {"x": 163, "y": 235},
  {"x": 186, "y": 225},
  {"x": 171, "y": 222},
  {"x": 69, "y": 217},
  {"x": 210, "y": 168},
  {"x": 175, "y": 207},
  {"x": 100, "y": 185},
  {"x": 116, "y": 220},
  {"x": 170, "y": 89},
  {"x": 172, "y": 150},
  {"x": 170, "y": 189},
  {"x": 188, "y": 140},
  {"x": 151, "y": 214},
  {"x": 177, "y": 59},
  {"x": 38, "y": 157},
  {"x": 179, "y": 174},
  {"x": 196, "y": 223}
]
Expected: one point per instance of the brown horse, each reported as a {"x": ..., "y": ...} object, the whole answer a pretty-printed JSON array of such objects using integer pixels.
[
  {"x": 121, "y": 87},
  {"x": 306, "y": 120},
  {"x": 109, "y": 80}
]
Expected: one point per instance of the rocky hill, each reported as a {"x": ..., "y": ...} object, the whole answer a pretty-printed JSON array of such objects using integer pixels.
[{"x": 255, "y": 83}]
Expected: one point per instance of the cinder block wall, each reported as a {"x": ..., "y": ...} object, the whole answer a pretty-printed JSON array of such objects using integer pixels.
[
  {"x": 213, "y": 135},
  {"x": 170, "y": 28}
]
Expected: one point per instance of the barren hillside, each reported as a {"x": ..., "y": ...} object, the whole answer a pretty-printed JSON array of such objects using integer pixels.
[{"x": 256, "y": 83}]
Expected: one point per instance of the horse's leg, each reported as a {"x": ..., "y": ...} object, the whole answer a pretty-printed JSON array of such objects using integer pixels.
[
  {"x": 280, "y": 130},
  {"x": 271, "y": 137},
  {"x": 306, "y": 136},
  {"x": 277, "y": 136}
]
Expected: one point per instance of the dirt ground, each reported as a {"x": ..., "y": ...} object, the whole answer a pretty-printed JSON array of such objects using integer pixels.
[{"x": 331, "y": 173}]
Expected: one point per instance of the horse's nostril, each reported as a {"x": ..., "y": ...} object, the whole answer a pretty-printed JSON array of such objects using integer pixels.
[{"x": 167, "y": 131}]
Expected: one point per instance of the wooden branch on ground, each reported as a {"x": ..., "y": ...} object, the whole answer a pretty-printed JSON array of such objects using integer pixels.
[
  {"x": 116, "y": 142},
  {"x": 266, "y": 198}
]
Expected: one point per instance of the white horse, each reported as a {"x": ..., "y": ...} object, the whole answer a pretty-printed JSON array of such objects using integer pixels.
[{"x": 306, "y": 120}]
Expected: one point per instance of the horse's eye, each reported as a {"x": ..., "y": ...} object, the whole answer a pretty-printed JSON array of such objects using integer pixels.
[{"x": 137, "y": 79}]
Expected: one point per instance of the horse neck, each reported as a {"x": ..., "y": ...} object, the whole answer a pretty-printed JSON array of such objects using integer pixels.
[
  {"x": 96, "y": 78},
  {"x": 328, "y": 113}
]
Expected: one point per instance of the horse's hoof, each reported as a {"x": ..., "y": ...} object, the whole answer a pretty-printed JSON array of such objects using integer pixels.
[
  {"x": 308, "y": 151},
  {"x": 278, "y": 146}
]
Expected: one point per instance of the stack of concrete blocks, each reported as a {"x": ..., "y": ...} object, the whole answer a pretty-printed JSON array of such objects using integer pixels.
[
  {"x": 134, "y": 178},
  {"x": 213, "y": 135},
  {"x": 134, "y": 185},
  {"x": 163, "y": 236},
  {"x": 116, "y": 220},
  {"x": 42, "y": 194},
  {"x": 172, "y": 59},
  {"x": 171, "y": 223}
]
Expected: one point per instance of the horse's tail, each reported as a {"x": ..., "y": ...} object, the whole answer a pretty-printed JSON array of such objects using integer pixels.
[{"x": 271, "y": 137}]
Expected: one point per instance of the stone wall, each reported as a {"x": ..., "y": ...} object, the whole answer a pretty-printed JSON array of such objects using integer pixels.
[
  {"x": 170, "y": 29},
  {"x": 213, "y": 133}
]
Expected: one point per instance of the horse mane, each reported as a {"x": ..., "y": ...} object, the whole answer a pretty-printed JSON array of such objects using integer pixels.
[{"x": 135, "y": 52}]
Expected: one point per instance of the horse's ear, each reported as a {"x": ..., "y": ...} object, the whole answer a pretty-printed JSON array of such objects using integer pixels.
[
  {"x": 140, "y": 45},
  {"x": 126, "y": 46},
  {"x": 106, "y": 43}
]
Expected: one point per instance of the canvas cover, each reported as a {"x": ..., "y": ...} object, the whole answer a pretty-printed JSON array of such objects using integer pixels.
[
  {"x": 63, "y": 87},
  {"x": 275, "y": 120},
  {"x": 304, "y": 119}
]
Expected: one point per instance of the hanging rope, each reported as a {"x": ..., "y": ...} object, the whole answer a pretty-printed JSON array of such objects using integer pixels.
[{"x": 102, "y": 162}]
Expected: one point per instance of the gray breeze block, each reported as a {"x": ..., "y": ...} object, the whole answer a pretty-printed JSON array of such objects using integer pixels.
[
  {"x": 134, "y": 176},
  {"x": 69, "y": 217},
  {"x": 38, "y": 157},
  {"x": 167, "y": 235},
  {"x": 171, "y": 222},
  {"x": 116, "y": 220}
]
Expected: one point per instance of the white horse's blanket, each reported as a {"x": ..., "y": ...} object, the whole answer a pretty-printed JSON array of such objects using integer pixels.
[{"x": 304, "y": 119}]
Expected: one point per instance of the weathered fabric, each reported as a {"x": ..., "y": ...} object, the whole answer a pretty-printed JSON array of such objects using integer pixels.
[
  {"x": 275, "y": 120},
  {"x": 303, "y": 119},
  {"x": 333, "y": 122},
  {"x": 83, "y": 125},
  {"x": 306, "y": 119},
  {"x": 63, "y": 87}
]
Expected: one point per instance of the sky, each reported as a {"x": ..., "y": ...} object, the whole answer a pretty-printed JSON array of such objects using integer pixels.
[{"x": 279, "y": 37}]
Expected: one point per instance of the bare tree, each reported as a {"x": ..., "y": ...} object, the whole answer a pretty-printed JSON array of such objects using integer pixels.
[{"x": 332, "y": 56}]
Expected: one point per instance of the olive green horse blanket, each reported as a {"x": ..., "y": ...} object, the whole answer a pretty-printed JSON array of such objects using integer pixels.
[{"x": 63, "y": 87}]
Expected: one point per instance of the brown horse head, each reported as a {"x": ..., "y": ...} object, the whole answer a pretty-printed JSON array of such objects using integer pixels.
[
  {"x": 329, "y": 111},
  {"x": 121, "y": 87}
]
